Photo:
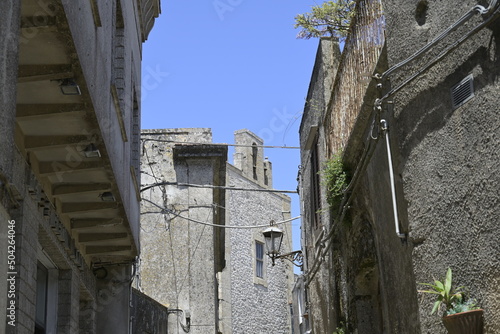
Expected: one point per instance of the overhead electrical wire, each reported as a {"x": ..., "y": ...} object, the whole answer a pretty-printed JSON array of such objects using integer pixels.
[
  {"x": 217, "y": 144},
  {"x": 179, "y": 184},
  {"x": 290, "y": 123},
  {"x": 165, "y": 210},
  {"x": 239, "y": 227}
]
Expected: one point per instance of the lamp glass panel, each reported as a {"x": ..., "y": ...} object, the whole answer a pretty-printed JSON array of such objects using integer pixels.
[{"x": 273, "y": 241}]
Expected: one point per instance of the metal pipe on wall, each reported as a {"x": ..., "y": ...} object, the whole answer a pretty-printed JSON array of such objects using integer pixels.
[{"x": 384, "y": 126}]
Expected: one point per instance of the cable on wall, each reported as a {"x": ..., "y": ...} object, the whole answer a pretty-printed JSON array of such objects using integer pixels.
[
  {"x": 361, "y": 167},
  {"x": 475, "y": 10}
]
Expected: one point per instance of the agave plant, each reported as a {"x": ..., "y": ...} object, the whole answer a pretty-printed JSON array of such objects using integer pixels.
[
  {"x": 463, "y": 306},
  {"x": 446, "y": 295}
]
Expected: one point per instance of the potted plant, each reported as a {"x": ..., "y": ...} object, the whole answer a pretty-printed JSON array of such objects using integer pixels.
[{"x": 461, "y": 315}]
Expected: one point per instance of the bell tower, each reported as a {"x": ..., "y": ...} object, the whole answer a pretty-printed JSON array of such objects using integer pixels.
[{"x": 249, "y": 158}]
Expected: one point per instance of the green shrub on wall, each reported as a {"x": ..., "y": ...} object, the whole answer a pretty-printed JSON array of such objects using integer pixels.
[{"x": 335, "y": 179}]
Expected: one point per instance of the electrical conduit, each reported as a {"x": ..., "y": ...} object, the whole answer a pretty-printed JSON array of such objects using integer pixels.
[{"x": 385, "y": 130}]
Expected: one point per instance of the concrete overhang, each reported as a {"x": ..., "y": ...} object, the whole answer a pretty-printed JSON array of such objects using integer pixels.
[{"x": 55, "y": 133}]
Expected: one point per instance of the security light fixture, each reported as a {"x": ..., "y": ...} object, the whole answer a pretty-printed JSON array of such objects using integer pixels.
[
  {"x": 274, "y": 236},
  {"x": 69, "y": 87},
  {"x": 91, "y": 151},
  {"x": 107, "y": 196}
]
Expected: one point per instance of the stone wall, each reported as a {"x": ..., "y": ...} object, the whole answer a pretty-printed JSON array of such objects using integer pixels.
[
  {"x": 179, "y": 253},
  {"x": 44, "y": 265},
  {"x": 446, "y": 182},
  {"x": 36, "y": 241},
  {"x": 9, "y": 41},
  {"x": 257, "y": 305},
  {"x": 207, "y": 272},
  {"x": 313, "y": 138}
]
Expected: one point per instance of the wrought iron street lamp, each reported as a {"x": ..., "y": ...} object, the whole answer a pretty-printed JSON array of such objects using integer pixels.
[{"x": 274, "y": 237}]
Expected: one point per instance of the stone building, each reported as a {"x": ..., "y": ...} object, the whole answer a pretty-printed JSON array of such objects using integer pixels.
[
  {"x": 69, "y": 179},
  {"x": 413, "y": 113},
  {"x": 257, "y": 295},
  {"x": 212, "y": 279}
]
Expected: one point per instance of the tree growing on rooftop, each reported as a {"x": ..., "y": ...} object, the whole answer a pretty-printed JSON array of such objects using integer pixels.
[{"x": 332, "y": 18}]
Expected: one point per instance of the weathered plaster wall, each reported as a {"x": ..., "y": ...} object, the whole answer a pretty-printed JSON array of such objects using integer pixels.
[
  {"x": 446, "y": 182},
  {"x": 448, "y": 158},
  {"x": 375, "y": 264},
  {"x": 114, "y": 296},
  {"x": 178, "y": 255},
  {"x": 149, "y": 316},
  {"x": 357, "y": 285},
  {"x": 312, "y": 136},
  {"x": 193, "y": 267}
]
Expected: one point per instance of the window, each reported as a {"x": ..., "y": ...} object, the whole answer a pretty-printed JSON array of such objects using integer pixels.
[
  {"x": 315, "y": 186},
  {"x": 259, "y": 259},
  {"x": 42, "y": 277},
  {"x": 259, "y": 262},
  {"x": 254, "y": 160},
  {"x": 266, "y": 176},
  {"x": 46, "y": 295}
]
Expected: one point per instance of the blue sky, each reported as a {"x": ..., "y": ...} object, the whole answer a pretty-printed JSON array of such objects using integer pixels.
[{"x": 230, "y": 65}]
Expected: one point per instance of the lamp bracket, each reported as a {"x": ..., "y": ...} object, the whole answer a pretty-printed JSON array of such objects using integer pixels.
[{"x": 295, "y": 257}]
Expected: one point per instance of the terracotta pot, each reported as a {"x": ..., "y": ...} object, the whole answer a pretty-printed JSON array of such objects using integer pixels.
[{"x": 470, "y": 322}]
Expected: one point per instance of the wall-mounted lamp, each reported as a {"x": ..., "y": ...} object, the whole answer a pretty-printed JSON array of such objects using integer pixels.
[
  {"x": 100, "y": 273},
  {"x": 274, "y": 236},
  {"x": 91, "y": 151},
  {"x": 69, "y": 87},
  {"x": 107, "y": 196}
]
